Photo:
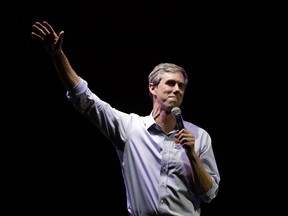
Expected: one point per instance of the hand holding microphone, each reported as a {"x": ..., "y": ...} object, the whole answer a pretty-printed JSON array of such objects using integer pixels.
[{"x": 186, "y": 138}]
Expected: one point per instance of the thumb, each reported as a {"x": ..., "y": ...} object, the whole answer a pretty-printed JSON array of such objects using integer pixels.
[{"x": 60, "y": 40}]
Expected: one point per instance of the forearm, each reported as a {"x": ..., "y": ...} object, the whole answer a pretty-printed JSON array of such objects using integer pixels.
[
  {"x": 202, "y": 181},
  {"x": 65, "y": 71}
]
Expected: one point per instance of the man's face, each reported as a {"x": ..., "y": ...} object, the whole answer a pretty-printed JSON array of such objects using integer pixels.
[{"x": 170, "y": 91}]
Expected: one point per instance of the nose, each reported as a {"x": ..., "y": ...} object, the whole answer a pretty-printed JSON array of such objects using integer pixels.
[{"x": 177, "y": 87}]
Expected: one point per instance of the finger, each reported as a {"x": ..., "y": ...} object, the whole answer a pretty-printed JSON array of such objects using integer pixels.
[
  {"x": 184, "y": 135},
  {"x": 186, "y": 140},
  {"x": 36, "y": 36},
  {"x": 61, "y": 35},
  {"x": 48, "y": 27},
  {"x": 38, "y": 28},
  {"x": 60, "y": 40}
]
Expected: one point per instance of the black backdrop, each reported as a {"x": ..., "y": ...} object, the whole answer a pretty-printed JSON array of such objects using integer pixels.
[{"x": 57, "y": 163}]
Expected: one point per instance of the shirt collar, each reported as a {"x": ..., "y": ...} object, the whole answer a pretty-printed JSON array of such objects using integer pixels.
[
  {"x": 150, "y": 124},
  {"x": 149, "y": 121}
]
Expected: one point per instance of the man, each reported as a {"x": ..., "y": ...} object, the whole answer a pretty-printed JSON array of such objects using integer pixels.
[{"x": 167, "y": 170}]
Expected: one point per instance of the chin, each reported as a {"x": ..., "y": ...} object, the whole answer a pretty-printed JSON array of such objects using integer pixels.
[{"x": 171, "y": 106}]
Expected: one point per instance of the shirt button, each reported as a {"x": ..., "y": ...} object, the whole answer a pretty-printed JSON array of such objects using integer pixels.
[{"x": 161, "y": 201}]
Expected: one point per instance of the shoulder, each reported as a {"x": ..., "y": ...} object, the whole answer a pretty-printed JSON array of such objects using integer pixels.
[{"x": 198, "y": 131}]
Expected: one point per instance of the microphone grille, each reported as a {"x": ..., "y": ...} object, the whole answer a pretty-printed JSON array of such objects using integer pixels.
[{"x": 176, "y": 111}]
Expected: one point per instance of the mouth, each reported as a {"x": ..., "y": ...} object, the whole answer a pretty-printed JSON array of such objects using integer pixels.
[{"x": 174, "y": 97}]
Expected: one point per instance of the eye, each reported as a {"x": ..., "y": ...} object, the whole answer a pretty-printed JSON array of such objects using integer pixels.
[
  {"x": 181, "y": 86},
  {"x": 171, "y": 83}
]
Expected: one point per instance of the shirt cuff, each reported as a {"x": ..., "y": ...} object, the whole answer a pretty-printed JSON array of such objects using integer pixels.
[{"x": 79, "y": 89}]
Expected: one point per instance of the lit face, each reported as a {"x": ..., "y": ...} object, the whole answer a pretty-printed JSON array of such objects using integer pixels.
[{"x": 169, "y": 92}]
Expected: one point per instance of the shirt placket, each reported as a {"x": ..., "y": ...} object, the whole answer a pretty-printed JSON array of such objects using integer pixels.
[{"x": 167, "y": 144}]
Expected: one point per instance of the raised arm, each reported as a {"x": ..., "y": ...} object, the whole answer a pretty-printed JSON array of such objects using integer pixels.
[{"x": 52, "y": 42}]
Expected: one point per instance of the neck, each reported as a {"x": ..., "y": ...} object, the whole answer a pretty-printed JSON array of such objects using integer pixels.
[{"x": 165, "y": 120}]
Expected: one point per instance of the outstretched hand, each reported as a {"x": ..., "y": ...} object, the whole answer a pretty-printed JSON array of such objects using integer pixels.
[{"x": 44, "y": 33}]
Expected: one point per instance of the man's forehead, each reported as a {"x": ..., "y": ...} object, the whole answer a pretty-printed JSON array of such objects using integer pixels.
[{"x": 173, "y": 76}]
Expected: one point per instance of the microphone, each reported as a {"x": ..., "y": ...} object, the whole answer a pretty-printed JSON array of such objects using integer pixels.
[{"x": 177, "y": 113}]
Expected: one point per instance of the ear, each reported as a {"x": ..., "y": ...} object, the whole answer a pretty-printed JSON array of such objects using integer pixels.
[{"x": 152, "y": 88}]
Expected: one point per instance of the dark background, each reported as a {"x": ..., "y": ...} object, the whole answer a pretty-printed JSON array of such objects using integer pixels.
[{"x": 57, "y": 163}]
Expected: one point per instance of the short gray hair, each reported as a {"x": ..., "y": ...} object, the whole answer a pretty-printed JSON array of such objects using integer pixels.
[{"x": 157, "y": 73}]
